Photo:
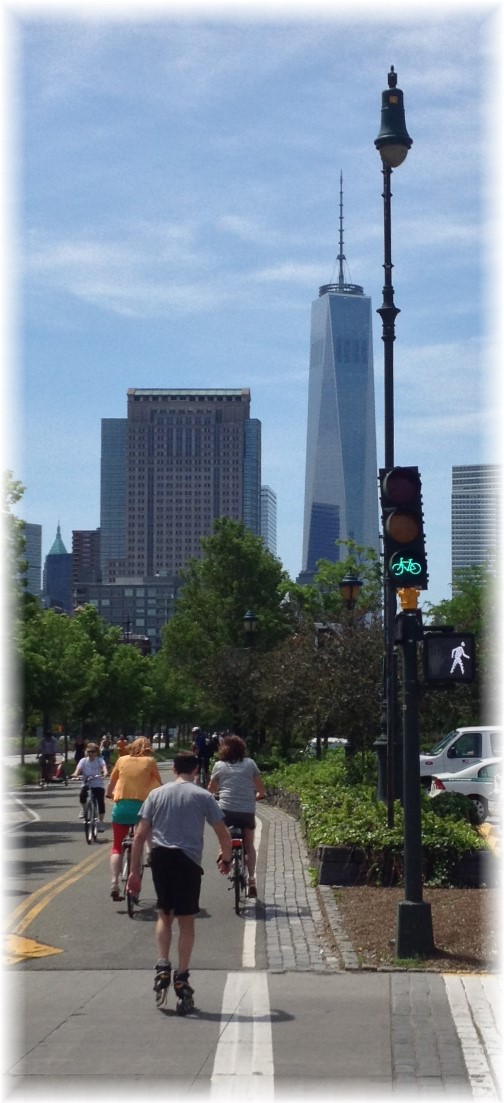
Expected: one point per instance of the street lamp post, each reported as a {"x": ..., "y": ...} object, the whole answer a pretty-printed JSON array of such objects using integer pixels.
[
  {"x": 392, "y": 143},
  {"x": 350, "y": 587},
  {"x": 249, "y": 627}
]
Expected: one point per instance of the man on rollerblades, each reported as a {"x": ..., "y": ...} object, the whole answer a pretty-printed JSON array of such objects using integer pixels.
[{"x": 172, "y": 819}]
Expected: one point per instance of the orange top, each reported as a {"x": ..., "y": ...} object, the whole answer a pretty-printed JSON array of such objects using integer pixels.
[{"x": 134, "y": 777}]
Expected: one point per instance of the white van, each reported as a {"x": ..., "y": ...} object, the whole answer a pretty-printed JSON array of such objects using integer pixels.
[{"x": 462, "y": 747}]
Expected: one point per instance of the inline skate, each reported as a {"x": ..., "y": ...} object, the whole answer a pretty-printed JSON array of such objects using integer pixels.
[
  {"x": 162, "y": 978},
  {"x": 183, "y": 992}
]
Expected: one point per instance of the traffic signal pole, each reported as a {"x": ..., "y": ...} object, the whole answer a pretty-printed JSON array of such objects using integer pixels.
[{"x": 414, "y": 920}]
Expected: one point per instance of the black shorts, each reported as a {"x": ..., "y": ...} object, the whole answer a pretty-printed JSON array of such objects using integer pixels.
[
  {"x": 99, "y": 794},
  {"x": 239, "y": 819},
  {"x": 177, "y": 880}
]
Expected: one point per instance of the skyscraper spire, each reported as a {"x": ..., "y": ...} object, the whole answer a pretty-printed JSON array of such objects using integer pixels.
[{"x": 341, "y": 256}]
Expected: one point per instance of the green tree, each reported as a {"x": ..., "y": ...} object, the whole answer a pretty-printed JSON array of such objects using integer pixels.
[
  {"x": 205, "y": 637},
  {"x": 14, "y": 538}
]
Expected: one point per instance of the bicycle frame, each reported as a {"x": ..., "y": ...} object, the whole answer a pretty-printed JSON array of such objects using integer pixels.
[
  {"x": 237, "y": 871},
  {"x": 131, "y": 899},
  {"x": 91, "y": 816}
]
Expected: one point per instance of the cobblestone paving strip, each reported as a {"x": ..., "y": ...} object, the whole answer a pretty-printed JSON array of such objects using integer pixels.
[
  {"x": 296, "y": 936},
  {"x": 426, "y": 1051}
]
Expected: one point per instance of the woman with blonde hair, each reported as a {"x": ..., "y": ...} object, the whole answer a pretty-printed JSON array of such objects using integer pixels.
[{"x": 132, "y": 779}]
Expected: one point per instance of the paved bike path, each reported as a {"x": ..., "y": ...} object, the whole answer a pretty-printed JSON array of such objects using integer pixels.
[{"x": 310, "y": 1018}]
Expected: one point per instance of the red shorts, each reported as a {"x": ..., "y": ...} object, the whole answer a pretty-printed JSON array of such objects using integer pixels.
[{"x": 119, "y": 832}]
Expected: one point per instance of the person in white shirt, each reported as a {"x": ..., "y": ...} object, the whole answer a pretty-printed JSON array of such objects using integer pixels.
[
  {"x": 93, "y": 771},
  {"x": 237, "y": 783}
]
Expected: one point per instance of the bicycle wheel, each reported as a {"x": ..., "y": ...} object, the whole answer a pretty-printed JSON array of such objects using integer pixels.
[
  {"x": 88, "y": 818},
  {"x": 126, "y": 861},
  {"x": 95, "y": 818}
]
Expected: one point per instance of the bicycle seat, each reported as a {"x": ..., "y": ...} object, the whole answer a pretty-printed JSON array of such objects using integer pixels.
[{"x": 235, "y": 832}]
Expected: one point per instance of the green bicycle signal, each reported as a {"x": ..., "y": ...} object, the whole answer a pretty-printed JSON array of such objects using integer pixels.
[{"x": 400, "y": 566}]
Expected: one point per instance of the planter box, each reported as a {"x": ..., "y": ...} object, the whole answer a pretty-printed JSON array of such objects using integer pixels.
[
  {"x": 478, "y": 869},
  {"x": 341, "y": 865}
]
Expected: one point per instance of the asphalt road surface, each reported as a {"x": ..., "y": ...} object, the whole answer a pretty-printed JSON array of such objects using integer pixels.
[{"x": 82, "y": 1019}]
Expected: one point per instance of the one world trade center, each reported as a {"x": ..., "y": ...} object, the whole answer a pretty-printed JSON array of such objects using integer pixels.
[{"x": 341, "y": 487}]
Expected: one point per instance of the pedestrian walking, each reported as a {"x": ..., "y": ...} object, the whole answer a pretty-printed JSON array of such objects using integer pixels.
[{"x": 172, "y": 821}]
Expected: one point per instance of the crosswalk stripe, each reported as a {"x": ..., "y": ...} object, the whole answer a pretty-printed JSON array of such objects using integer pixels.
[{"x": 243, "y": 1065}]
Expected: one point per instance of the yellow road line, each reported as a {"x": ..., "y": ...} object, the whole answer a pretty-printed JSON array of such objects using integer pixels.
[{"x": 17, "y": 923}]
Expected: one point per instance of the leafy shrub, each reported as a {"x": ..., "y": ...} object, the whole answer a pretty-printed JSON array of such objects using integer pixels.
[
  {"x": 456, "y": 806},
  {"x": 338, "y": 811}
]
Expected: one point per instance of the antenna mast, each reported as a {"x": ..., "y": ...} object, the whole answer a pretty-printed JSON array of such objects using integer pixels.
[{"x": 341, "y": 256}]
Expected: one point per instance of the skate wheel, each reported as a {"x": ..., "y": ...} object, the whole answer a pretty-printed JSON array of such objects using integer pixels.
[{"x": 161, "y": 997}]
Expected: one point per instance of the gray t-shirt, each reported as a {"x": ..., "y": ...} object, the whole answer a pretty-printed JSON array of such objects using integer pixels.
[
  {"x": 236, "y": 785},
  {"x": 177, "y": 813}
]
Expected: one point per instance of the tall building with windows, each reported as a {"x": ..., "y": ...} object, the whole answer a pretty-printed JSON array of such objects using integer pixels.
[
  {"x": 112, "y": 497},
  {"x": 85, "y": 556},
  {"x": 32, "y": 555},
  {"x": 57, "y": 582},
  {"x": 341, "y": 485},
  {"x": 476, "y": 493},
  {"x": 269, "y": 518}
]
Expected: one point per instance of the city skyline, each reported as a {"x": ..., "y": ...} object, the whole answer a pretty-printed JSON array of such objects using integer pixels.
[{"x": 180, "y": 179}]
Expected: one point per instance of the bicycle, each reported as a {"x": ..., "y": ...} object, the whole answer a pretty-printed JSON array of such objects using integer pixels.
[
  {"x": 237, "y": 875},
  {"x": 91, "y": 814},
  {"x": 131, "y": 899}
]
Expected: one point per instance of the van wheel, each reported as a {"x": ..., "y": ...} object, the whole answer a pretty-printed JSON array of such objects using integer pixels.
[{"x": 481, "y": 807}]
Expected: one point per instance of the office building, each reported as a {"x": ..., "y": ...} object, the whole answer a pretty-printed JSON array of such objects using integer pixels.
[
  {"x": 140, "y": 607},
  {"x": 476, "y": 493},
  {"x": 32, "y": 555},
  {"x": 269, "y": 518},
  {"x": 112, "y": 497},
  {"x": 57, "y": 584},
  {"x": 191, "y": 457},
  {"x": 86, "y": 556},
  {"x": 341, "y": 485}
]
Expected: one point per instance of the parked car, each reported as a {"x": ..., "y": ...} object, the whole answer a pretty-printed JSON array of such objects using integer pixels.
[
  {"x": 475, "y": 782},
  {"x": 495, "y": 799},
  {"x": 333, "y": 742},
  {"x": 461, "y": 748}
]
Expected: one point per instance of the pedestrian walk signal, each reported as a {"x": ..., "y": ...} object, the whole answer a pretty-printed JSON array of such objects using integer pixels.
[
  {"x": 449, "y": 657},
  {"x": 403, "y": 530}
]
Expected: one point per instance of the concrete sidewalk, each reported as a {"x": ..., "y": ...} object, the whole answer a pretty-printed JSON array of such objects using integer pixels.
[{"x": 446, "y": 1029}]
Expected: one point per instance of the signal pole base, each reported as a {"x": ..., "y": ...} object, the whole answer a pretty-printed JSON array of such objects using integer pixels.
[{"x": 414, "y": 937}]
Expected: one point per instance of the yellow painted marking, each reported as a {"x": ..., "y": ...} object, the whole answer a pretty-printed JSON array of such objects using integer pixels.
[
  {"x": 43, "y": 895},
  {"x": 18, "y": 921},
  {"x": 21, "y": 949}
]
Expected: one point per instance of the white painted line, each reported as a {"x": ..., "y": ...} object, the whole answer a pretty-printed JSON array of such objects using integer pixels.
[
  {"x": 250, "y": 924},
  {"x": 33, "y": 816},
  {"x": 471, "y": 1029},
  {"x": 243, "y": 1065}
]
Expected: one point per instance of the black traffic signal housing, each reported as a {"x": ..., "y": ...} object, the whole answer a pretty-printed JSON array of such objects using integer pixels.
[
  {"x": 403, "y": 528},
  {"x": 448, "y": 657}
]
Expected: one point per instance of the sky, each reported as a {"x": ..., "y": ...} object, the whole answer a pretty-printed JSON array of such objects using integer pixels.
[{"x": 172, "y": 207}]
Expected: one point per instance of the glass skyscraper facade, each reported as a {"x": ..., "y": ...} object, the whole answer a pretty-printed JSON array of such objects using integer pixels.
[
  {"x": 475, "y": 514},
  {"x": 112, "y": 496},
  {"x": 341, "y": 487}
]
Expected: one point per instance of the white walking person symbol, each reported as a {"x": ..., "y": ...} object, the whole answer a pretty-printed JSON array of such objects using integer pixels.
[{"x": 458, "y": 654}]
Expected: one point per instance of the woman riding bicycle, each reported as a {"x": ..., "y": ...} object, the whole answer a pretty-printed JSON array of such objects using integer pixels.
[
  {"x": 131, "y": 780},
  {"x": 93, "y": 770},
  {"x": 237, "y": 783}
]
